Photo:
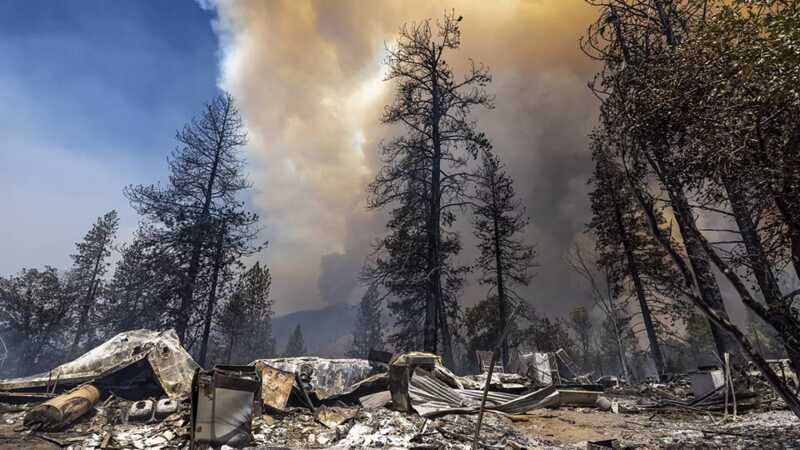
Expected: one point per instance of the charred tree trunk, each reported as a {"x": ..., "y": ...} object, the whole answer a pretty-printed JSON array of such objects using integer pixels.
[
  {"x": 618, "y": 334},
  {"x": 698, "y": 259},
  {"x": 704, "y": 278},
  {"x": 761, "y": 269},
  {"x": 666, "y": 22},
  {"x": 664, "y": 240},
  {"x": 444, "y": 330},
  {"x": 199, "y": 231},
  {"x": 435, "y": 304},
  {"x": 621, "y": 354},
  {"x": 633, "y": 269},
  {"x": 212, "y": 296},
  {"x": 793, "y": 229},
  {"x": 502, "y": 305},
  {"x": 86, "y": 307}
]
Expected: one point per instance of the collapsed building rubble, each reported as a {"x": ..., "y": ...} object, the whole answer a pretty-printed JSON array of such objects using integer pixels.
[
  {"x": 142, "y": 390},
  {"x": 128, "y": 363}
]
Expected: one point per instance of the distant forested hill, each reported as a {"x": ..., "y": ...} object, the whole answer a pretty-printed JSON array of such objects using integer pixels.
[{"x": 326, "y": 331}]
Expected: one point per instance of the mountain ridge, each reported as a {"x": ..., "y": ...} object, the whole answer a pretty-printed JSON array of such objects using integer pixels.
[{"x": 327, "y": 331}]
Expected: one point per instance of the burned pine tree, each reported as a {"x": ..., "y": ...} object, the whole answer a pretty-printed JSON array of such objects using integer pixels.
[
  {"x": 626, "y": 41},
  {"x": 648, "y": 104},
  {"x": 35, "y": 308},
  {"x": 368, "y": 330},
  {"x": 86, "y": 278},
  {"x": 206, "y": 174},
  {"x": 144, "y": 283},
  {"x": 296, "y": 345},
  {"x": 233, "y": 233},
  {"x": 741, "y": 147},
  {"x": 245, "y": 319},
  {"x": 399, "y": 262},
  {"x": 626, "y": 249},
  {"x": 434, "y": 108},
  {"x": 504, "y": 260}
]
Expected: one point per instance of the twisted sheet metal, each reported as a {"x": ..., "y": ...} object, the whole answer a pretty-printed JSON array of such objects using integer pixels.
[
  {"x": 431, "y": 397},
  {"x": 171, "y": 364}
]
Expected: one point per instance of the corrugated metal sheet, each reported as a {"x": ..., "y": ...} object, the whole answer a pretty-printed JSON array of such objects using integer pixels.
[
  {"x": 329, "y": 377},
  {"x": 431, "y": 397},
  {"x": 172, "y": 365}
]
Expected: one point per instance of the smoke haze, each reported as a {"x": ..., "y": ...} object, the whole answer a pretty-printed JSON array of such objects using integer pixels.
[{"x": 308, "y": 79}]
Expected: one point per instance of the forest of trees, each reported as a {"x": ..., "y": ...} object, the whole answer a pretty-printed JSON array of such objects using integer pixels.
[
  {"x": 184, "y": 268},
  {"x": 695, "y": 187},
  {"x": 428, "y": 181},
  {"x": 697, "y": 167},
  {"x": 694, "y": 196}
]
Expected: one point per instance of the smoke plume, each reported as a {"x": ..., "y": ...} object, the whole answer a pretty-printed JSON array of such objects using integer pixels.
[{"x": 308, "y": 79}]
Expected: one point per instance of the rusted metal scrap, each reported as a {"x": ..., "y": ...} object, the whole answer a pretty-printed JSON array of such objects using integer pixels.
[
  {"x": 276, "y": 386},
  {"x": 327, "y": 377},
  {"x": 59, "y": 412}
]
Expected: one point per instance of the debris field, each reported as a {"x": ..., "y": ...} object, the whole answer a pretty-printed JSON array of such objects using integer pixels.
[{"x": 142, "y": 390}]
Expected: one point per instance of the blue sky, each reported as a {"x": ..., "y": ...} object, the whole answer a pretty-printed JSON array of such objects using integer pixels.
[{"x": 91, "y": 94}]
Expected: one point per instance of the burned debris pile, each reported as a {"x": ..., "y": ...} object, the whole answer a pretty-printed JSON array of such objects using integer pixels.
[
  {"x": 130, "y": 363},
  {"x": 141, "y": 390}
]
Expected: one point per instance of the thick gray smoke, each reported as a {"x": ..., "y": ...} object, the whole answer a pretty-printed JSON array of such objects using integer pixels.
[{"x": 308, "y": 76}]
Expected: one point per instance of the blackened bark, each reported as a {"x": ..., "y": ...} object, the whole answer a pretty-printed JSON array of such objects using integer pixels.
[
  {"x": 86, "y": 307},
  {"x": 793, "y": 227},
  {"x": 778, "y": 309},
  {"x": 655, "y": 230},
  {"x": 620, "y": 345},
  {"x": 212, "y": 296},
  {"x": 433, "y": 307},
  {"x": 199, "y": 231},
  {"x": 633, "y": 270},
  {"x": 666, "y": 23},
  {"x": 501, "y": 292},
  {"x": 698, "y": 259},
  {"x": 447, "y": 342}
]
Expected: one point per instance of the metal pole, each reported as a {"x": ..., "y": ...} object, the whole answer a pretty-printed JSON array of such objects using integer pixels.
[{"x": 495, "y": 354}]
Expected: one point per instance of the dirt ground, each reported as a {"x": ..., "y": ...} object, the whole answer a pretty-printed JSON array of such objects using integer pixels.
[
  {"x": 569, "y": 427},
  {"x": 11, "y": 438},
  {"x": 14, "y": 440},
  {"x": 572, "y": 428},
  {"x": 551, "y": 429}
]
